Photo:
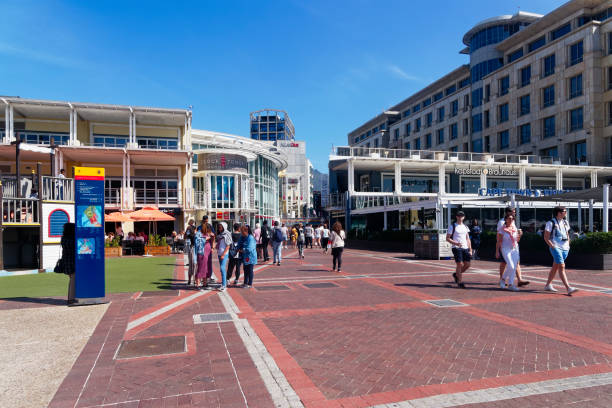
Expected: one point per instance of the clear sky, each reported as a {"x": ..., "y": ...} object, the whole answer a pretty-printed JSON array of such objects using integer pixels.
[{"x": 331, "y": 64}]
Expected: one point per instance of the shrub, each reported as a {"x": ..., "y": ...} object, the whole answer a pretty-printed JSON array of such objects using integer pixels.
[
  {"x": 112, "y": 243},
  {"x": 593, "y": 243},
  {"x": 157, "y": 240}
]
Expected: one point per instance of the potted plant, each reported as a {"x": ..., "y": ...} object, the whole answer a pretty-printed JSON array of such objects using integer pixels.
[
  {"x": 112, "y": 248},
  {"x": 157, "y": 245}
]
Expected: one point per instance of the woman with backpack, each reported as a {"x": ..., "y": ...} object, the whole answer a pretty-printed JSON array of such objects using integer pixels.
[
  {"x": 248, "y": 252},
  {"x": 234, "y": 255},
  {"x": 336, "y": 239},
  {"x": 277, "y": 243}
]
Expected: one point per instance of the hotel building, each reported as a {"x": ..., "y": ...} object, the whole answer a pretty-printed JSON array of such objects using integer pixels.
[{"x": 535, "y": 85}]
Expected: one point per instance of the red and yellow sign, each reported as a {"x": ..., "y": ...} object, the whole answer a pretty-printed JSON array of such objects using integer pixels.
[{"x": 89, "y": 173}]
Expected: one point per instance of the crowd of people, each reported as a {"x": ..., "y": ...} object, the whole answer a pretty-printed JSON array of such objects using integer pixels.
[
  {"x": 557, "y": 235},
  {"x": 244, "y": 247}
]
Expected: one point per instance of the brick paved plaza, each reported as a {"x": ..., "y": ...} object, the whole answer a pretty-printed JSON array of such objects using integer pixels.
[{"x": 306, "y": 336}]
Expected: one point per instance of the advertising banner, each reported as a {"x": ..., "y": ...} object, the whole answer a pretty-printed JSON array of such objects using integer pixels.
[{"x": 89, "y": 238}]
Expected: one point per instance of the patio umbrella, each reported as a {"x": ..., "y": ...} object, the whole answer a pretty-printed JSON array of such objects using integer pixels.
[
  {"x": 151, "y": 214},
  {"x": 116, "y": 217}
]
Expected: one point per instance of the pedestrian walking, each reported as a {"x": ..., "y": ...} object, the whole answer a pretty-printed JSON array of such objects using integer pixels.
[
  {"x": 301, "y": 240},
  {"x": 557, "y": 237},
  {"x": 507, "y": 245},
  {"x": 203, "y": 246},
  {"x": 325, "y": 238},
  {"x": 317, "y": 237},
  {"x": 190, "y": 234},
  {"x": 223, "y": 241},
  {"x": 257, "y": 236},
  {"x": 249, "y": 255},
  {"x": 475, "y": 232},
  {"x": 265, "y": 240},
  {"x": 285, "y": 234},
  {"x": 458, "y": 235},
  {"x": 277, "y": 243},
  {"x": 294, "y": 235},
  {"x": 235, "y": 259},
  {"x": 336, "y": 238},
  {"x": 309, "y": 233},
  {"x": 502, "y": 265}
]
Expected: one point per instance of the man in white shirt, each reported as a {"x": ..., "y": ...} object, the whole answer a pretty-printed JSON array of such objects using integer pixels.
[
  {"x": 459, "y": 236},
  {"x": 502, "y": 262},
  {"x": 557, "y": 237}
]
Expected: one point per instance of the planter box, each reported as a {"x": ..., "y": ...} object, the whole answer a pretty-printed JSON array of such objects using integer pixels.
[
  {"x": 110, "y": 252},
  {"x": 157, "y": 250},
  {"x": 575, "y": 260}
]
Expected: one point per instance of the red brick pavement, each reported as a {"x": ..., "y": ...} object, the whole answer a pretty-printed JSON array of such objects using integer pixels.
[{"x": 371, "y": 340}]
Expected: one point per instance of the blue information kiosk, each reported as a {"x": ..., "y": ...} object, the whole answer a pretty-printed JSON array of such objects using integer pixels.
[{"x": 89, "y": 235}]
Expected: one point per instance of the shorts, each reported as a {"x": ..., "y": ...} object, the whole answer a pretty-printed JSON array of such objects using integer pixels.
[
  {"x": 462, "y": 255},
  {"x": 559, "y": 255}
]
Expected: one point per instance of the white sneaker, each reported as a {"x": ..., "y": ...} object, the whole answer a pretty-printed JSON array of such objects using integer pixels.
[
  {"x": 550, "y": 288},
  {"x": 572, "y": 290},
  {"x": 502, "y": 284}
]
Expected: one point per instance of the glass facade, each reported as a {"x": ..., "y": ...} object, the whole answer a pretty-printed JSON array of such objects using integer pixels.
[
  {"x": 548, "y": 127},
  {"x": 549, "y": 65},
  {"x": 492, "y": 35},
  {"x": 265, "y": 177},
  {"x": 548, "y": 96},
  {"x": 271, "y": 125},
  {"x": 575, "y": 86},
  {"x": 484, "y": 68}
]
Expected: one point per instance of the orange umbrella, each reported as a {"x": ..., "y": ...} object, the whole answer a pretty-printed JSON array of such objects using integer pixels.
[
  {"x": 116, "y": 217},
  {"x": 150, "y": 214}
]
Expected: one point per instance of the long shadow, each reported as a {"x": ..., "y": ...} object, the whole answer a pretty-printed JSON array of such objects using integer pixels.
[
  {"x": 469, "y": 286},
  {"x": 42, "y": 301}
]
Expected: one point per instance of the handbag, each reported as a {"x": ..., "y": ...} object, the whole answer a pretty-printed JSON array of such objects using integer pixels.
[{"x": 59, "y": 266}]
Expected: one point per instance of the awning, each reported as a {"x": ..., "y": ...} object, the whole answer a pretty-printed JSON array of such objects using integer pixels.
[
  {"x": 116, "y": 217},
  {"x": 150, "y": 214},
  {"x": 595, "y": 194}
]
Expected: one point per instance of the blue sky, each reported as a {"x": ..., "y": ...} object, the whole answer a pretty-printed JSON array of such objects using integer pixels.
[{"x": 331, "y": 64}]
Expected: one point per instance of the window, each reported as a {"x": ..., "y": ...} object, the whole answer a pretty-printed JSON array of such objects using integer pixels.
[
  {"x": 417, "y": 125},
  {"x": 407, "y": 146},
  {"x": 549, "y": 66},
  {"x": 451, "y": 89},
  {"x": 525, "y": 133},
  {"x": 466, "y": 128},
  {"x": 487, "y": 95},
  {"x": 440, "y": 136},
  {"x": 548, "y": 127},
  {"x": 428, "y": 119},
  {"x": 454, "y": 107},
  {"x": 57, "y": 219},
  {"x": 428, "y": 141},
  {"x": 464, "y": 82},
  {"x": 44, "y": 138},
  {"x": 575, "y": 119},
  {"x": 487, "y": 144},
  {"x": 609, "y": 113},
  {"x": 441, "y": 114},
  {"x": 396, "y": 134},
  {"x": 417, "y": 143},
  {"x": 609, "y": 78},
  {"x": 407, "y": 129},
  {"x": 477, "y": 123},
  {"x": 561, "y": 31},
  {"x": 575, "y": 53},
  {"x": 476, "y": 97},
  {"x": 550, "y": 152},
  {"x": 526, "y": 75},
  {"x": 416, "y": 108},
  {"x": 156, "y": 143},
  {"x": 375, "y": 130},
  {"x": 504, "y": 139},
  {"x": 454, "y": 149},
  {"x": 579, "y": 152},
  {"x": 534, "y": 45},
  {"x": 466, "y": 102},
  {"x": 504, "y": 85},
  {"x": 548, "y": 96},
  {"x": 575, "y": 86},
  {"x": 487, "y": 121},
  {"x": 477, "y": 146},
  {"x": 376, "y": 142},
  {"x": 513, "y": 56},
  {"x": 493, "y": 35},
  {"x": 368, "y": 133},
  {"x": 452, "y": 130},
  {"x": 438, "y": 96},
  {"x": 610, "y": 43},
  {"x": 406, "y": 113},
  {"x": 427, "y": 102},
  {"x": 524, "y": 105},
  {"x": 383, "y": 126},
  {"x": 484, "y": 68},
  {"x": 356, "y": 139}
]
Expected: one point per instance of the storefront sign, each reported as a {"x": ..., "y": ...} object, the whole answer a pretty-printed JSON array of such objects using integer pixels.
[
  {"x": 492, "y": 171},
  {"x": 89, "y": 237},
  {"x": 528, "y": 192},
  {"x": 220, "y": 161}
]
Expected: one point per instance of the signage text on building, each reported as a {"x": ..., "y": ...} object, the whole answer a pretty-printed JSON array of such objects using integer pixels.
[
  {"x": 492, "y": 171},
  {"x": 220, "y": 161},
  {"x": 527, "y": 192}
]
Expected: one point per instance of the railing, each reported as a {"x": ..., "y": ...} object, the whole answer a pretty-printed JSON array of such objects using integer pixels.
[
  {"x": 200, "y": 199},
  {"x": 112, "y": 196},
  {"x": 378, "y": 201},
  {"x": 155, "y": 197},
  {"x": 20, "y": 211},
  {"x": 383, "y": 153},
  {"x": 9, "y": 185},
  {"x": 57, "y": 189},
  {"x": 337, "y": 200}
]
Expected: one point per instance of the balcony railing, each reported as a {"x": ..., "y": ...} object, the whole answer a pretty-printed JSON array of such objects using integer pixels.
[
  {"x": 200, "y": 199},
  {"x": 112, "y": 196},
  {"x": 20, "y": 211},
  {"x": 378, "y": 201},
  {"x": 383, "y": 153},
  {"x": 337, "y": 200},
  {"x": 155, "y": 197},
  {"x": 57, "y": 189}
]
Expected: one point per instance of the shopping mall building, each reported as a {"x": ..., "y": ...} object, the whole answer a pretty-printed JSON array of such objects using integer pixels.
[{"x": 151, "y": 157}]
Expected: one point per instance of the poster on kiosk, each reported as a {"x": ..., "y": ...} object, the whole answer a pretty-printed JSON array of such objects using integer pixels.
[{"x": 89, "y": 237}]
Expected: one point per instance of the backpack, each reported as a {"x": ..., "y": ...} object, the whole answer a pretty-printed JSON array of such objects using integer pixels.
[
  {"x": 453, "y": 230},
  {"x": 233, "y": 251},
  {"x": 300, "y": 237},
  {"x": 555, "y": 223},
  {"x": 264, "y": 233},
  {"x": 278, "y": 235}
]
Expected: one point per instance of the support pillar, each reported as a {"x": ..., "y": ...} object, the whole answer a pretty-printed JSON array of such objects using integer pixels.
[
  {"x": 398, "y": 177},
  {"x": 351, "y": 176},
  {"x": 40, "y": 216},
  {"x": 522, "y": 178},
  {"x": 385, "y": 221},
  {"x": 11, "y": 125},
  {"x": 442, "y": 179},
  {"x": 448, "y": 214},
  {"x": 483, "y": 178},
  {"x": 579, "y": 217},
  {"x": 559, "y": 179},
  {"x": 123, "y": 196},
  {"x": 593, "y": 178},
  {"x": 591, "y": 215},
  {"x": 606, "y": 205}
]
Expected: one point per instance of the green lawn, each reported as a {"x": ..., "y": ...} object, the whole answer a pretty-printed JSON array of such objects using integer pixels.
[{"x": 122, "y": 275}]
